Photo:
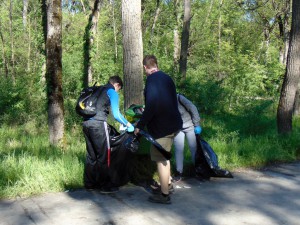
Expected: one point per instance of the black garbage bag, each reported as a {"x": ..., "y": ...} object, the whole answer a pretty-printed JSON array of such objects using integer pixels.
[
  {"x": 148, "y": 137},
  {"x": 115, "y": 170},
  {"x": 206, "y": 162},
  {"x": 123, "y": 146}
]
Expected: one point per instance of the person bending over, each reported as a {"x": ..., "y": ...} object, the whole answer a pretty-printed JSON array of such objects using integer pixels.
[{"x": 191, "y": 126}]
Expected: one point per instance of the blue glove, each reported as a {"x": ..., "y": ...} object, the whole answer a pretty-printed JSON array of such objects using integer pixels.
[
  {"x": 130, "y": 128},
  {"x": 197, "y": 130}
]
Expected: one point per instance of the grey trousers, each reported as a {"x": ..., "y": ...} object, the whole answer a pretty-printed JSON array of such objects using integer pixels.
[{"x": 179, "y": 141}]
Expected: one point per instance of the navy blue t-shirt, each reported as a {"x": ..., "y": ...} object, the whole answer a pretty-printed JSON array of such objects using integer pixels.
[{"x": 161, "y": 114}]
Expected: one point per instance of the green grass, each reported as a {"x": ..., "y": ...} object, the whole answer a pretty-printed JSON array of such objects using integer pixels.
[
  {"x": 235, "y": 148},
  {"x": 29, "y": 166}
]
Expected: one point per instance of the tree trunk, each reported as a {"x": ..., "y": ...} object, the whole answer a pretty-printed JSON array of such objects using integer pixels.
[
  {"x": 296, "y": 110},
  {"x": 185, "y": 39},
  {"x": 283, "y": 23},
  {"x": 132, "y": 52},
  {"x": 284, "y": 35},
  {"x": 25, "y": 7},
  {"x": 83, "y": 7},
  {"x": 54, "y": 72},
  {"x": 176, "y": 54},
  {"x": 292, "y": 75},
  {"x": 28, "y": 28},
  {"x": 157, "y": 11},
  {"x": 208, "y": 13},
  {"x": 91, "y": 31},
  {"x": 220, "y": 76},
  {"x": 12, "y": 59},
  {"x": 115, "y": 30},
  {"x": 5, "y": 66}
]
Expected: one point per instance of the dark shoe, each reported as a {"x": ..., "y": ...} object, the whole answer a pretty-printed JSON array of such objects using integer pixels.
[
  {"x": 157, "y": 190},
  {"x": 160, "y": 199},
  {"x": 177, "y": 177},
  {"x": 109, "y": 190}
]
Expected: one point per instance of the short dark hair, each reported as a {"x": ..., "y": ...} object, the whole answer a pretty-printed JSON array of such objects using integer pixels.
[
  {"x": 116, "y": 79},
  {"x": 150, "y": 61}
]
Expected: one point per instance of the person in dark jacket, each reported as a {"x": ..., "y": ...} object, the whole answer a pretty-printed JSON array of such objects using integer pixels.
[
  {"x": 162, "y": 119},
  {"x": 96, "y": 133}
]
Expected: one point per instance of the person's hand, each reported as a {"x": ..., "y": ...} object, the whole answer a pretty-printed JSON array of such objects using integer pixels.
[
  {"x": 198, "y": 130},
  {"x": 130, "y": 128},
  {"x": 136, "y": 131}
]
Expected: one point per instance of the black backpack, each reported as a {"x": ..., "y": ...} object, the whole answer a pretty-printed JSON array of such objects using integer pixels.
[{"x": 86, "y": 102}]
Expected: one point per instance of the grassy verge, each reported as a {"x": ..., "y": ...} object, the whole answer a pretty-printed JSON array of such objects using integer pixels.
[{"x": 29, "y": 166}]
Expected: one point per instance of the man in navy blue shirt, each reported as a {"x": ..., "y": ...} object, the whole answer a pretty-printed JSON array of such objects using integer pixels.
[
  {"x": 162, "y": 119},
  {"x": 96, "y": 133}
]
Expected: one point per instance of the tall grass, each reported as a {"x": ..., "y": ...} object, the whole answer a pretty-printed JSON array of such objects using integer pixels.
[{"x": 29, "y": 166}]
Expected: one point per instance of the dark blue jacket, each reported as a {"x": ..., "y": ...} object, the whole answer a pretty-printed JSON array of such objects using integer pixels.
[{"x": 161, "y": 114}]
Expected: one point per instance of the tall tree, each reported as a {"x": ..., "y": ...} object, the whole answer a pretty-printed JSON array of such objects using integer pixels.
[
  {"x": 292, "y": 75},
  {"x": 91, "y": 32},
  {"x": 176, "y": 53},
  {"x": 220, "y": 39},
  {"x": 4, "y": 61},
  {"x": 157, "y": 11},
  {"x": 25, "y": 8},
  {"x": 296, "y": 110},
  {"x": 132, "y": 52},
  {"x": 54, "y": 71},
  {"x": 283, "y": 19},
  {"x": 83, "y": 7},
  {"x": 185, "y": 39},
  {"x": 115, "y": 29},
  {"x": 12, "y": 40}
]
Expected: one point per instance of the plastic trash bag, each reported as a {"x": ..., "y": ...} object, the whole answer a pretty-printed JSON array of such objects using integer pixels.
[{"x": 206, "y": 162}]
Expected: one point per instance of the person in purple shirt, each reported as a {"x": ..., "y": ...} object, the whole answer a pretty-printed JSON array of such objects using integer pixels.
[
  {"x": 162, "y": 119},
  {"x": 96, "y": 133}
]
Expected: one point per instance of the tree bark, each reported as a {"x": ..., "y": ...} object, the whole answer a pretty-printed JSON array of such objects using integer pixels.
[
  {"x": 91, "y": 31},
  {"x": 115, "y": 30},
  {"x": 185, "y": 39},
  {"x": 5, "y": 66},
  {"x": 284, "y": 35},
  {"x": 220, "y": 75},
  {"x": 54, "y": 72},
  {"x": 292, "y": 75},
  {"x": 132, "y": 52},
  {"x": 28, "y": 28},
  {"x": 296, "y": 110},
  {"x": 176, "y": 54},
  {"x": 25, "y": 7},
  {"x": 12, "y": 59},
  {"x": 283, "y": 23},
  {"x": 157, "y": 11},
  {"x": 83, "y": 7}
]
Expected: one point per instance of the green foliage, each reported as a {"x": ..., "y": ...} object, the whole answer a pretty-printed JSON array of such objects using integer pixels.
[{"x": 18, "y": 103}]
